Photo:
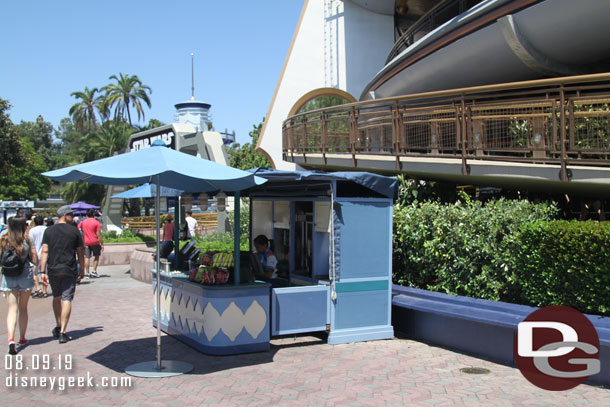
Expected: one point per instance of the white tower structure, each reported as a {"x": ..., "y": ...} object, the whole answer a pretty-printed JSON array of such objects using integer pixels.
[
  {"x": 193, "y": 112},
  {"x": 337, "y": 47}
]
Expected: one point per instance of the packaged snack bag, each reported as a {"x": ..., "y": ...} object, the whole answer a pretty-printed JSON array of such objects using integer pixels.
[
  {"x": 222, "y": 275},
  {"x": 199, "y": 275},
  {"x": 206, "y": 258},
  {"x": 208, "y": 276},
  {"x": 222, "y": 260}
]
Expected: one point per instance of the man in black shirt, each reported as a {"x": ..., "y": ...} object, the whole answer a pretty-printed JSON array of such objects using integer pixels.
[{"x": 61, "y": 243}]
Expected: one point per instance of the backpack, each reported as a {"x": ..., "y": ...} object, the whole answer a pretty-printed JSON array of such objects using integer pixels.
[{"x": 12, "y": 265}]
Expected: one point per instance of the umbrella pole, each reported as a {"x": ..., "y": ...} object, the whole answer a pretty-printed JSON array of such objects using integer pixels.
[
  {"x": 153, "y": 368},
  {"x": 236, "y": 237},
  {"x": 158, "y": 268}
]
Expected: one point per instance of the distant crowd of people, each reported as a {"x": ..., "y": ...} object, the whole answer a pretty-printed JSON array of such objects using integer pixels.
[{"x": 37, "y": 253}]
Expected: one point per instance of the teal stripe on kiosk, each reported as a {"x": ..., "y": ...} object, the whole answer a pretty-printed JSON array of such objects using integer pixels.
[{"x": 363, "y": 286}]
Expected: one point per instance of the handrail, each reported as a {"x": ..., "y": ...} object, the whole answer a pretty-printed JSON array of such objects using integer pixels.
[
  {"x": 428, "y": 19},
  {"x": 549, "y": 121},
  {"x": 500, "y": 87}
]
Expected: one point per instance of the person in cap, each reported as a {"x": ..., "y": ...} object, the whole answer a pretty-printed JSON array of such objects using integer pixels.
[
  {"x": 168, "y": 228},
  {"x": 61, "y": 244}
]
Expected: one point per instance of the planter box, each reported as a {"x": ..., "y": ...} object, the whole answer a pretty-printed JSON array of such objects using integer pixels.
[
  {"x": 141, "y": 263},
  {"x": 118, "y": 253},
  {"x": 479, "y": 327}
]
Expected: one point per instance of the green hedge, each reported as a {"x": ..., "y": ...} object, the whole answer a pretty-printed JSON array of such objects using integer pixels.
[
  {"x": 465, "y": 248},
  {"x": 221, "y": 242},
  {"x": 565, "y": 263},
  {"x": 127, "y": 236},
  {"x": 504, "y": 250}
]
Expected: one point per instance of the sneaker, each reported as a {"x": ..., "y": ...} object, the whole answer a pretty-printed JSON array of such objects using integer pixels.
[
  {"x": 11, "y": 348},
  {"x": 63, "y": 338},
  {"x": 55, "y": 332},
  {"x": 23, "y": 342},
  {"x": 87, "y": 277},
  {"x": 94, "y": 274}
]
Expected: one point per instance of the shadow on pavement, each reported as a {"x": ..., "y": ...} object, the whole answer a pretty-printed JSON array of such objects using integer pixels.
[
  {"x": 75, "y": 335},
  {"x": 121, "y": 354}
]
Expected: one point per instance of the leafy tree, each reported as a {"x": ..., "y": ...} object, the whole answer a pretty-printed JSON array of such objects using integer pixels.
[
  {"x": 152, "y": 124},
  {"x": 127, "y": 91},
  {"x": 72, "y": 140},
  {"x": 40, "y": 134},
  {"x": 25, "y": 182},
  {"x": 11, "y": 149},
  {"x": 246, "y": 157},
  {"x": 83, "y": 112},
  {"x": 322, "y": 102}
]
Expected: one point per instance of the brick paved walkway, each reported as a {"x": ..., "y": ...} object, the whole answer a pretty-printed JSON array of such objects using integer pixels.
[{"x": 111, "y": 329}]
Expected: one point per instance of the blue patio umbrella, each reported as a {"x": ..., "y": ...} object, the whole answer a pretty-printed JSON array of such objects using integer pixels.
[
  {"x": 148, "y": 191},
  {"x": 83, "y": 206},
  {"x": 169, "y": 168}
]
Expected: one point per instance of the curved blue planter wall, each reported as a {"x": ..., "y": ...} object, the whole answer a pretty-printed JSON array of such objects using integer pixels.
[{"x": 479, "y": 327}]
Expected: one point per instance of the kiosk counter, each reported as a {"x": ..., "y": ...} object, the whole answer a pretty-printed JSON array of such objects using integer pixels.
[{"x": 332, "y": 236}]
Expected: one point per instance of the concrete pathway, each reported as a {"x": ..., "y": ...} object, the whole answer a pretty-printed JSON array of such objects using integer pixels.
[{"x": 111, "y": 329}]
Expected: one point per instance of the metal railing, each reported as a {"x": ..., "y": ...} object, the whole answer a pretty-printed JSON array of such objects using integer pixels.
[
  {"x": 551, "y": 121},
  {"x": 437, "y": 15}
]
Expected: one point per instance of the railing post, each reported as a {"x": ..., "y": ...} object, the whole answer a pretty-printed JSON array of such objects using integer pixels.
[
  {"x": 353, "y": 134},
  {"x": 396, "y": 133},
  {"x": 304, "y": 139},
  {"x": 324, "y": 136},
  {"x": 463, "y": 136},
  {"x": 291, "y": 139},
  {"x": 563, "y": 175}
]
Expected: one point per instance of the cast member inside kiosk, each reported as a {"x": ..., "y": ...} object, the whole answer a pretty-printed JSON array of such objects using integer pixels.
[{"x": 267, "y": 259}]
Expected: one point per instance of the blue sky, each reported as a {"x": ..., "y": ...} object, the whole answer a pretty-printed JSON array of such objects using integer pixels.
[{"x": 53, "y": 48}]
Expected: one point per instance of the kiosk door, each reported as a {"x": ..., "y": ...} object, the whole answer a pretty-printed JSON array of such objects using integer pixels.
[{"x": 299, "y": 309}]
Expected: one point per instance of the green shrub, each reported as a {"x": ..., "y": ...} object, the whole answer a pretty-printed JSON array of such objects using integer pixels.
[
  {"x": 565, "y": 263},
  {"x": 465, "y": 248},
  {"x": 127, "y": 236},
  {"x": 221, "y": 242}
]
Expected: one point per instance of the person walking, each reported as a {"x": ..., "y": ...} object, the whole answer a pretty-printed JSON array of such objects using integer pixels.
[
  {"x": 168, "y": 228},
  {"x": 17, "y": 287},
  {"x": 94, "y": 245},
  {"x": 35, "y": 234},
  {"x": 191, "y": 224},
  {"x": 61, "y": 244}
]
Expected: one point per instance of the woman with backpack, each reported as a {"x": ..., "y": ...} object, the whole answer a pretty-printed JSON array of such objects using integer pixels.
[{"x": 17, "y": 277}]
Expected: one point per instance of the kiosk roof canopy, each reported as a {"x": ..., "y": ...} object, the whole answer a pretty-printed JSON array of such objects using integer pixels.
[{"x": 385, "y": 186}]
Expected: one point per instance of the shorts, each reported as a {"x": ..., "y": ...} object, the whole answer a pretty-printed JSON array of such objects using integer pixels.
[
  {"x": 94, "y": 250},
  {"x": 23, "y": 282},
  {"x": 63, "y": 286}
]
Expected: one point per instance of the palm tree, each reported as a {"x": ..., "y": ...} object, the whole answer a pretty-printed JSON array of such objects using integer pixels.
[
  {"x": 83, "y": 191},
  {"x": 111, "y": 138},
  {"x": 103, "y": 108},
  {"x": 128, "y": 90},
  {"x": 84, "y": 111}
]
